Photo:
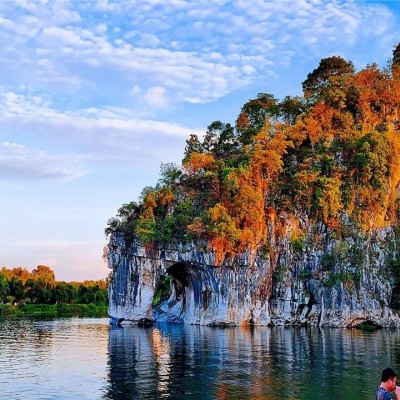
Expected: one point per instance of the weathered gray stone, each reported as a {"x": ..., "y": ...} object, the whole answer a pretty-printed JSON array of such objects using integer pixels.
[{"x": 288, "y": 288}]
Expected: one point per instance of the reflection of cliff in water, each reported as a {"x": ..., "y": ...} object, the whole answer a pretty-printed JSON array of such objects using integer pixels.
[{"x": 191, "y": 362}]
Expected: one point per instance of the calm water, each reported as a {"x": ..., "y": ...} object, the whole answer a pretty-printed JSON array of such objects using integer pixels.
[{"x": 78, "y": 358}]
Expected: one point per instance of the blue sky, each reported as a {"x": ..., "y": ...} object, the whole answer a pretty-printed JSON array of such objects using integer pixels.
[{"x": 95, "y": 95}]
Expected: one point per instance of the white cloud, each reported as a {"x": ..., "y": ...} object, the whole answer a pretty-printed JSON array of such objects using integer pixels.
[
  {"x": 156, "y": 97},
  {"x": 54, "y": 36},
  {"x": 97, "y": 135},
  {"x": 6, "y": 23},
  {"x": 217, "y": 45},
  {"x": 18, "y": 162},
  {"x": 32, "y": 109},
  {"x": 148, "y": 40}
]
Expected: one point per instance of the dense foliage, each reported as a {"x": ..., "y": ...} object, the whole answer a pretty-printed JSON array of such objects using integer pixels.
[
  {"x": 331, "y": 156},
  {"x": 18, "y": 285}
]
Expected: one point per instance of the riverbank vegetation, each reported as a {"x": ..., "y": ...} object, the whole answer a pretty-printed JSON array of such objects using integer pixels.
[
  {"x": 39, "y": 293},
  {"x": 330, "y": 156}
]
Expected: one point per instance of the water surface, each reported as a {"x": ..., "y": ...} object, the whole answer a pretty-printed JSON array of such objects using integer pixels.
[{"x": 84, "y": 358}]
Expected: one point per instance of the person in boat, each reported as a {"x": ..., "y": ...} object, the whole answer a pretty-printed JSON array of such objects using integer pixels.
[{"x": 388, "y": 389}]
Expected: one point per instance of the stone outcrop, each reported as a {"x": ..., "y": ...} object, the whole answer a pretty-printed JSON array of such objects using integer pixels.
[{"x": 318, "y": 281}]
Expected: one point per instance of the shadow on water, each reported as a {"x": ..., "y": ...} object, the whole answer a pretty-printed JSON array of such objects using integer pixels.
[{"x": 191, "y": 362}]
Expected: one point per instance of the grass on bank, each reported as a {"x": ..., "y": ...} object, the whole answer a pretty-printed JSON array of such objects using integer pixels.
[{"x": 91, "y": 310}]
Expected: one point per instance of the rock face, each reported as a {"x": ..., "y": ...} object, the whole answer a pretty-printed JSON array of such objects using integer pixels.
[{"x": 319, "y": 281}]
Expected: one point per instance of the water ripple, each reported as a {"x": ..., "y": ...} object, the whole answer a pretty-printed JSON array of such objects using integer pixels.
[{"x": 87, "y": 359}]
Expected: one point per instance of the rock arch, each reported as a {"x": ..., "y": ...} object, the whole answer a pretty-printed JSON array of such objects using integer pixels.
[
  {"x": 195, "y": 294},
  {"x": 242, "y": 291}
]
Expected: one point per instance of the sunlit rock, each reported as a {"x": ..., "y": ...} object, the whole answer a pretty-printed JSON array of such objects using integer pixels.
[{"x": 331, "y": 282}]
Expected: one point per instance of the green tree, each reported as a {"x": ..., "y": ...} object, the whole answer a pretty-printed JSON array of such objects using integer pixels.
[
  {"x": 253, "y": 115},
  {"x": 170, "y": 175},
  {"x": 33, "y": 291},
  {"x": 125, "y": 219},
  {"x": 290, "y": 108},
  {"x": 193, "y": 145},
  {"x": 330, "y": 73},
  {"x": 4, "y": 289},
  {"x": 64, "y": 293},
  {"x": 17, "y": 288},
  {"x": 220, "y": 139}
]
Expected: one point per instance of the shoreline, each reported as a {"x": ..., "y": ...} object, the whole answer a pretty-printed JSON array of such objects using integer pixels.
[{"x": 9, "y": 310}]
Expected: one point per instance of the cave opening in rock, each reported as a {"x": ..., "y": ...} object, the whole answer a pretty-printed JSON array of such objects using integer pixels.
[
  {"x": 395, "y": 299},
  {"x": 192, "y": 287},
  {"x": 179, "y": 278}
]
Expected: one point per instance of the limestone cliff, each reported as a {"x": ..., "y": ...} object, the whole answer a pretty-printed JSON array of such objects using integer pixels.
[
  {"x": 289, "y": 217},
  {"x": 325, "y": 282}
]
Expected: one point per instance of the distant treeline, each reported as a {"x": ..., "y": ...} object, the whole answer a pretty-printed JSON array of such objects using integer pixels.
[{"x": 19, "y": 286}]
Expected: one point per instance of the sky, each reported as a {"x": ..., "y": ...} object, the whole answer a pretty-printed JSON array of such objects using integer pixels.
[{"x": 95, "y": 95}]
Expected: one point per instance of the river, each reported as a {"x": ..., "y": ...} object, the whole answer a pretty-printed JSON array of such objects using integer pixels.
[{"x": 86, "y": 358}]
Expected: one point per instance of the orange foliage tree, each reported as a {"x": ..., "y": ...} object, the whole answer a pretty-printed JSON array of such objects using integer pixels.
[{"x": 333, "y": 153}]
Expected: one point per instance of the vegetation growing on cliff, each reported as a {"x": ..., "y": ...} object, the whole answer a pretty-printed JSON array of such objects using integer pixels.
[{"x": 331, "y": 156}]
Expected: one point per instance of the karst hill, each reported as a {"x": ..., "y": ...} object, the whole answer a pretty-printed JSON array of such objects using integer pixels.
[{"x": 289, "y": 216}]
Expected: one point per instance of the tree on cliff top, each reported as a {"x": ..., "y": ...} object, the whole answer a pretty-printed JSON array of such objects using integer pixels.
[
  {"x": 331, "y": 72},
  {"x": 331, "y": 156}
]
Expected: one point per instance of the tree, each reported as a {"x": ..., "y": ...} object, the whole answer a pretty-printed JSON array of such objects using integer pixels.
[
  {"x": 64, "y": 293},
  {"x": 44, "y": 275},
  {"x": 21, "y": 273},
  {"x": 16, "y": 286},
  {"x": 33, "y": 291},
  {"x": 330, "y": 156},
  {"x": 4, "y": 288},
  {"x": 253, "y": 114},
  {"x": 330, "y": 73},
  {"x": 193, "y": 145},
  {"x": 220, "y": 140},
  {"x": 170, "y": 174},
  {"x": 290, "y": 108},
  {"x": 125, "y": 219},
  {"x": 396, "y": 62}
]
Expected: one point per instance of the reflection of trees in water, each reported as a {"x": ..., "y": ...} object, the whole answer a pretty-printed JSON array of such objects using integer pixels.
[
  {"x": 154, "y": 363},
  {"x": 396, "y": 355},
  {"x": 162, "y": 354},
  {"x": 191, "y": 362},
  {"x": 124, "y": 359},
  {"x": 30, "y": 334}
]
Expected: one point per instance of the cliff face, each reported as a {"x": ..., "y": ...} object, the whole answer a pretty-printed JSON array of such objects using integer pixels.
[{"x": 320, "y": 281}]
